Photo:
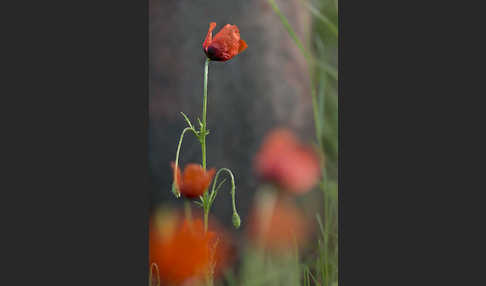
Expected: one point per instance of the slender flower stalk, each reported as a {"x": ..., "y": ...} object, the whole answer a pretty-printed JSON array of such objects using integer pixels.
[
  {"x": 203, "y": 139},
  {"x": 205, "y": 107},
  {"x": 187, "y": 210},
  {"x": 154, "y": 269},
  {"x": 195, "y": 180},
  {"x": 208, "y": 199}
]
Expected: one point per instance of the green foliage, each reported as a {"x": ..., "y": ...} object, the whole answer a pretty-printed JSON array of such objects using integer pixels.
[
  {"x": 260, "y": 269},
  {"x": 322, "y": 58},
  {"x": 325, "y": 48},
  {"x": 321, "y": 268}
]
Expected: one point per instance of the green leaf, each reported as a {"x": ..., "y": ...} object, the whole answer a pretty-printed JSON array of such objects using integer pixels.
[
  {"x": 330, "y": 25},
  {"x": 200, "y": 123}
]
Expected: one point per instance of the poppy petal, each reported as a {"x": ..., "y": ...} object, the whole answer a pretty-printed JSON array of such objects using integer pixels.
[
  {"x": 242, "y": 47},
  {"x": 211, "y": 174},
  {"x": 209, "y": 36}
]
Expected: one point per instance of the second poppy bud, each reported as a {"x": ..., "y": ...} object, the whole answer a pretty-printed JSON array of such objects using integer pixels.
[{"x": 194, "y": 181}]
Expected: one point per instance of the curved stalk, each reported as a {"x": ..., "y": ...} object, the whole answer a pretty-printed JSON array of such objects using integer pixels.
[
  {"x": 214, "y": 191},
  {"x": 175, "y": 190}
]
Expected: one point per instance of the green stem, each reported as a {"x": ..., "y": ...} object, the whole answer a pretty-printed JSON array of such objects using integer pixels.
[
  {"x": 188, "y": 210},
  {"x": 151, "y": 275},
  {"x": 205, "y": 106},
  {"x": 236, "y": 218},
  {"x": 291, "y": 32},
  {"x": 206, "y": 217},
  {"x": 317, "y": 121},
  {"x": 206, "y": 204}
]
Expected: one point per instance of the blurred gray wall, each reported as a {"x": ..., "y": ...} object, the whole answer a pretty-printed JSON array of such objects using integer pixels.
[{"x": 264, "y": 87}]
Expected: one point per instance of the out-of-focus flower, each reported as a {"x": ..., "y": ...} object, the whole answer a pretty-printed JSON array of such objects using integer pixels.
[
  {"x": 226, "y": 43},
  {"x": 276, "y": 224},
  {"x": 194, "y": 181},
  {"x": 283, "y": 160},
  {"x": 224, "y": 245},
  {"x": 183, "y": 252}
]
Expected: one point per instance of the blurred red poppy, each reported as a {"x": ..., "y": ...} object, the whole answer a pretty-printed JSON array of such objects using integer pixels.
[
  {"x": 283, "y": 160},
  {"x": 226, "y": 43},
  {"x": 276, "y": 224},
  {"x": 183, "y": 252},
  {"x": 194, "y": 181}
]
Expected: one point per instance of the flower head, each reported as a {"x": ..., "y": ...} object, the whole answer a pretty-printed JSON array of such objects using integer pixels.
[
  {"x": 184, "y": 253},
  {"x": 194, "y": 181},
  {"x": 226, "y": 43},
  {"x": 276, "y": 224},
  {"x": 283, "y": 160}
]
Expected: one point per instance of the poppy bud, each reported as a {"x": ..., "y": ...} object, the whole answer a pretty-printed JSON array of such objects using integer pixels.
[
  {"x": 226, "y": 43},
  {"x": 194, "y": 181},
  {"x": 236, "y": 220}
]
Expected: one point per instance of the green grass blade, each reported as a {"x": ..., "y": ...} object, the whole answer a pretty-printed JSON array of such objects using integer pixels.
[{"x": 330, "y": 25}]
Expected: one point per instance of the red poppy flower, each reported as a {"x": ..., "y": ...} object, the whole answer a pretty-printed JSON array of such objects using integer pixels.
[
  {"x": 194, "y": 181},
  {"x": 277, "y": 225},
  {"x": 184, "y": 254},
  {"x": 226, "y": 43},
  {"x": 283, "y": 160}
]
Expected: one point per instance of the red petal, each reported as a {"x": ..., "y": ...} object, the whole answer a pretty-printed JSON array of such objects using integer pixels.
[
  {"x": 209, "y": 36},
  {"x": 243, "y": 46},
  {"x": 211, "y": 174}
]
